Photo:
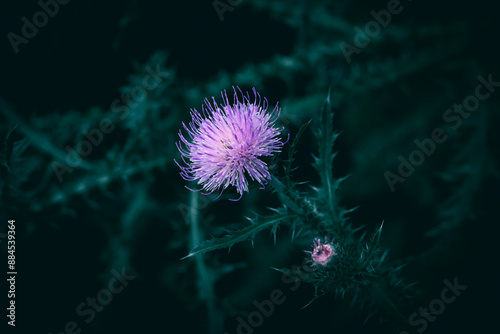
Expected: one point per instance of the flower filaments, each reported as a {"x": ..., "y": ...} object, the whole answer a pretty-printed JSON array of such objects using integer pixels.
[
  {"x": 321, "y": 253},
  {"x": 227, "y": 142}
]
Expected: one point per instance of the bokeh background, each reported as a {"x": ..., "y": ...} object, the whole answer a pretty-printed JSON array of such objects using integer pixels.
[{"x": 124, "y": 206}]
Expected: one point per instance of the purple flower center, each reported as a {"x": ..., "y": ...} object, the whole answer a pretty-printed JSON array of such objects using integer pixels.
[
  {"x": 226, "y": 143},
  {"x": 322, "y": 254}
]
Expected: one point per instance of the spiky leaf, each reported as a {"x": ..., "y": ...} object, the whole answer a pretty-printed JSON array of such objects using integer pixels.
[{"x": 234, "y": 237}]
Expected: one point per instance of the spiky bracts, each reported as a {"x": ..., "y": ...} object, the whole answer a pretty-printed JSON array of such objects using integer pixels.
[{"x": 357, "y": 270}]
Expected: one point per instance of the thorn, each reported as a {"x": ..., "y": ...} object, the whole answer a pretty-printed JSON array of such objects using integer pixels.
[
  {"x": 352, "y": 209},
  {"x": 185, "y": 257},
  {"x": 303, "y": 307}
]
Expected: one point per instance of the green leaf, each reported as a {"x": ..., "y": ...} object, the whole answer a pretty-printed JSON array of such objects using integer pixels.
[
  {"x": 323, "y": 163},
  {"x": 234, "y": 237}
]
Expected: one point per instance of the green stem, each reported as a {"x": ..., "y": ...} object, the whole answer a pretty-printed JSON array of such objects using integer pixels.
[{"x": 206, "y": 280}]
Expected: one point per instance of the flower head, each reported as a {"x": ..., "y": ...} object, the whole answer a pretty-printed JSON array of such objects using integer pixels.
[
  {"x": 321, "y": 253},
  {"x": 227, "y": 142}
]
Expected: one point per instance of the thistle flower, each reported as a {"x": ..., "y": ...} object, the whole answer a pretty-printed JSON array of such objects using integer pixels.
[
  {"x": 227, "y": 142},
  {"x": 321, "y": 253}
]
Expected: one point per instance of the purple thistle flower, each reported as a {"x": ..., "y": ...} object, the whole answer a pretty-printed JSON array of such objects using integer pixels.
[
  {"x": 227, "y": 142},
  {"x": 321, "y": 253}
]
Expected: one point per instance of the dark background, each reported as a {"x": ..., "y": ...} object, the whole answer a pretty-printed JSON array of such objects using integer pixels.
[{"x": 67, "y": 76}]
